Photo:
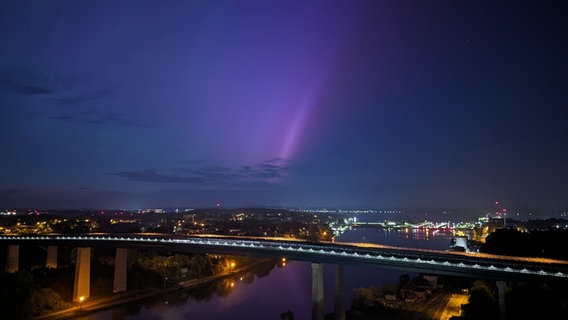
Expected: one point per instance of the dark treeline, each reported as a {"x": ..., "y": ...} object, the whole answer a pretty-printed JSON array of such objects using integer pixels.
[
  {"x": 545, "y": 243},
  {"x": 523, "y": 300}
]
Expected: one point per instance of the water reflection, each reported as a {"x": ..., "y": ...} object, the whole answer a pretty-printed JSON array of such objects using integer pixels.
[
  {"x": 221, "y": 288},
  {"x": 423, "y": 238},
  {"x": 262, "y": 293},
  {"x": 273, "y": 288}
]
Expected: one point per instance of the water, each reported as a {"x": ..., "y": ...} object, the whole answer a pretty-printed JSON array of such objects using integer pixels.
[{"x": 288, "y": 287}]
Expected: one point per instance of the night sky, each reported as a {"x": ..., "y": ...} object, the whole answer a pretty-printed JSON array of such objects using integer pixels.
[{"x": 368, "y": 104}]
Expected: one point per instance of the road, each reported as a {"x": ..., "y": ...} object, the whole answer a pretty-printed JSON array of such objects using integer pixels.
[{"x": 453, "y": 307}]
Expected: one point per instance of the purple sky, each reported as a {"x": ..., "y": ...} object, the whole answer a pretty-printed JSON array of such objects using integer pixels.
[{"x": 287, "y": 103}]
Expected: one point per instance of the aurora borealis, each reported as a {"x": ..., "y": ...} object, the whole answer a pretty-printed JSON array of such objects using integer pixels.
[{"x": 285, "y": 103}]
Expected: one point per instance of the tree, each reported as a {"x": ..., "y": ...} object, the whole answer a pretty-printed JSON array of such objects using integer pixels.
[
  {"x": 403, "y": 280},
  {"x": 288, "y": 315},
  {"x": 45, "y": 300},
  {"x": 363, "y": 298},
  {"x": 16, "y": 291},
  {"x": 481, "y": 304}
]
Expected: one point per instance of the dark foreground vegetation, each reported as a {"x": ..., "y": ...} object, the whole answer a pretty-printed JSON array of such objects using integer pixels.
[
  {"x": 36, "y": 290},
  {"x": 523, "y": 299},
  {"x": 536, "y": 243}
]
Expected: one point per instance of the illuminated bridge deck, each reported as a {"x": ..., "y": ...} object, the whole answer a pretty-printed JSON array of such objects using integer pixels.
[{"x": 417, "y": 260}]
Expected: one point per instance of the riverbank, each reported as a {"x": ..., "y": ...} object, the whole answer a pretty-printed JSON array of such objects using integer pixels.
[
  {"x": 117, "y": 299},
  {"x": 439, "y": 306}
]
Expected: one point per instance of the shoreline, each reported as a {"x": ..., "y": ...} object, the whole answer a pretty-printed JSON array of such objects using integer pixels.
[{"x": 117, "y": 299}]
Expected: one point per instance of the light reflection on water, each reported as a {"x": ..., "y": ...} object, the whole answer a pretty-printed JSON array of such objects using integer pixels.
[{"x": 284, "y": 288}]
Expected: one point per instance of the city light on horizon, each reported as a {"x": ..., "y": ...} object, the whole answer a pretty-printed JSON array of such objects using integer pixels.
[{"x": 303, "y": 159}]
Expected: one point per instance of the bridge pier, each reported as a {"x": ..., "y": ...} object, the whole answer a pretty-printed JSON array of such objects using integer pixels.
[
  {"x": 120, "y": 264},
  {"x": 81, "y": 287},
  {"x": 13, "y": 260},
  {"x": 339, "y": 299},
  {"x": 51, "y": 260},
  {"x": 318, "y": 306},
  {"x": 501, "y": 287}
]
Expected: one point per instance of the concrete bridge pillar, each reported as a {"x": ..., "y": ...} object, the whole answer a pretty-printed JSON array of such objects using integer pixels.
[
  {"x": 13, "y": 260},
  {"x": 82, "y": 286},
  {"x": 120, "y": 263},
  {"x": 51, "y": 260},
  {"x": 501, "y": 287},
  {"x": 318, "y": 306},
  {"x": 339, "y": 299}
]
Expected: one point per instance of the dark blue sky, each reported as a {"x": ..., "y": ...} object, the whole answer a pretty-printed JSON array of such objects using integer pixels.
[{"x": 288, "y": 103}]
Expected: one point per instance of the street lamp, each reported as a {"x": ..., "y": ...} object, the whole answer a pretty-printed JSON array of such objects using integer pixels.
[{"x": 81, "y": 300}]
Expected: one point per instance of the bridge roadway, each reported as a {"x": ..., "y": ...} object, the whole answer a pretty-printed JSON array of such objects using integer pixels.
[{"x": 476, "y": 265}]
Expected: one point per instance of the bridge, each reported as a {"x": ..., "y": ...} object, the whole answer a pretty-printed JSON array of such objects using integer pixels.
[{"x": 478, "y": 265}]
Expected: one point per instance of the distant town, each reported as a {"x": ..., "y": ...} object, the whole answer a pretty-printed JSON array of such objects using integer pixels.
[
  {"x": 153, "y": 274},
  {"x": 308, "y": 224}
]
